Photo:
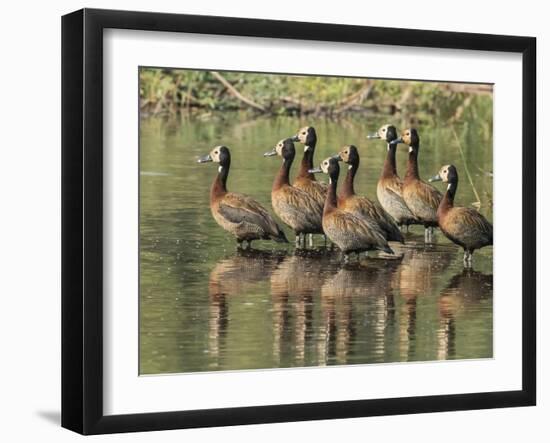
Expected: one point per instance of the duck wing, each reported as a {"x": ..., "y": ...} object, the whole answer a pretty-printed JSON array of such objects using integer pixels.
[
  {"x": 348, "y": 229},
  {"x": 365, "y": 208},
  {"x": 298, "y": 209},
  {"x": 238, "y": 208},
  {"x": 429, "y": 194},
  {"x": 469, "y": 226}
]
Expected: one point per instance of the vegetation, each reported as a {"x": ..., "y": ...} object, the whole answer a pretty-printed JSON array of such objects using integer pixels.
[{"x": 203, "y": 93}]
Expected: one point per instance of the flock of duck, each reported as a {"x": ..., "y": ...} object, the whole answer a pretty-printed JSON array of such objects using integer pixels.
[{"x": 355, "y": 224}]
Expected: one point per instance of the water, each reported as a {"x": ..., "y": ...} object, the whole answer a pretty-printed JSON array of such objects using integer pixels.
[{"x": 206, "y": 307}]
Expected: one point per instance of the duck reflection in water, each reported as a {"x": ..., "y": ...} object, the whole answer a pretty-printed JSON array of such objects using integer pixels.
[
  {"x": 417, "y": 276},
  {"x": 464, "y": 294},
  {"x": 295, "y": 283},
  {"x": 358, "y": 298},
  {"x": 236, "y": 275}
]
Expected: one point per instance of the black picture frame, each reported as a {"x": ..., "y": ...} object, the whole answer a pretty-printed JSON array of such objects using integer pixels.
[{"x": 82, "y": 218}]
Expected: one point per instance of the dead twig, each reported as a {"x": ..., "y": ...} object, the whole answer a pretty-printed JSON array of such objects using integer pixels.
[{"x": 236, "y": 93}]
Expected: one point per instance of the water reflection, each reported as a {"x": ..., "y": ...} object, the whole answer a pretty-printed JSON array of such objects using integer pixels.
[
  {"x": 414, "y": 279},
  {"x": 465, "y": 292},
  {"x": 365, "y": 284},
  {"x": 233, "y": 276},
  {"x": 294, "y": 284}
]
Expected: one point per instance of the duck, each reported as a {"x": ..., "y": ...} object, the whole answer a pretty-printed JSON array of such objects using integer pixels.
[
  {"x": 421, "y": 198},
  {"x": 296, "y": 208},
  {"x": 360, "y": 206},
  {"x": 465, "y": 227},
  {"x": 305, "y": 180},
  {"x": 238, "y": 214},
  {"x": 352, "y": 234},
  {"x": 389, "y": 189}
]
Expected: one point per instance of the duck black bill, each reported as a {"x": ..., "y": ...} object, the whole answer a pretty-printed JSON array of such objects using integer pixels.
[
  {"x": 373, "y": 136},
  {"x": 204, "y": 159},
  {"x": 435, "y": 178},
  {"x": 396, "y": 141},
  {"x": 295, "y": 138},
  {"x": 271, "y": 153},
  {"x": 315, "y": 170}
]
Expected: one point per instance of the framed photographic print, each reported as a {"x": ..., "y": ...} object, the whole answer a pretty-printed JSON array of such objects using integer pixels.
[{"x": 269, "y": 221}]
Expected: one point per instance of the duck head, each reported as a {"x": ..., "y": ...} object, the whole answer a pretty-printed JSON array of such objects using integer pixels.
[
  {"x": 285, "y": 148},
  {"x": 307, "y": 136},
  {"x": 409, "y": 137},
  {"x": 219, "y": 154},
  {"x": 328, "y": 166},
  {"x": 447, "y": 174},
  {"x": 386, "y": 132},
  {"x": 349, "y": 154}
]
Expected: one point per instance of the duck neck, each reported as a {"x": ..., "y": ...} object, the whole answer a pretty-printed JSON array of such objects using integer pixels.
[
  {"x": 331, "y": 201},
  {"x": 447, "y": 202},
  {"x": 307, "y": 162},
  {"x": 412, "y": 164},
  {"x": 283, "y": 176},
  {"x": 219, "y": 185},
  {"x": 389, "y": 169},
  {"x": 347, "y": 188}
]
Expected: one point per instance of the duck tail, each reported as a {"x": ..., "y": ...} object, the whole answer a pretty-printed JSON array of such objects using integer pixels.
[
  {"x": 386, "y": 248},
  {"x": 396, "y": 235}
]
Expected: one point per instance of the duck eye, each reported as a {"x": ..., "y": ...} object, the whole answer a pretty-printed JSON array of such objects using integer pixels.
[{"x": 383, "y": 129}]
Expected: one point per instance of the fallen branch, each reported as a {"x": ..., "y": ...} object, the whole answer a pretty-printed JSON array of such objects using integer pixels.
[
  {"x": 354, "y": 99},
  {"x": 236, "y": 93}
]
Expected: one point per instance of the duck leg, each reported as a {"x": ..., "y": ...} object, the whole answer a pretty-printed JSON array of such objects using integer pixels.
[
  {"x": 310, "y": 240},
  {"x": 467, "y": 259},
  {"x": 297, "y": 240},
  {"x": 249, "y": 245}
]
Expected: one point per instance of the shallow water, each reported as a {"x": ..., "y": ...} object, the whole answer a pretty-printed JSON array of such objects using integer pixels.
[{"x": 204, "y": 306}]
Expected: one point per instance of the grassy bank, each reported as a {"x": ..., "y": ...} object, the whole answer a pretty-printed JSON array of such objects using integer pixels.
[{"x": 172, "y": 92}]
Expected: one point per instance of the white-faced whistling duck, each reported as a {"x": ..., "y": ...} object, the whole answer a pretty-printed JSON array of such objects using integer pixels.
[
  {"x": 304, "y": 180},
  {"x": 350, "y": 233},
  {"x": 421, "y": 198},
  {"x": 293, "y": 206},
  {"x": 390, "y": 186},
  {"x": 361, "y": 206},
  {"x": 238, "y": 214},
  {"x": 464, "y": 226}
]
